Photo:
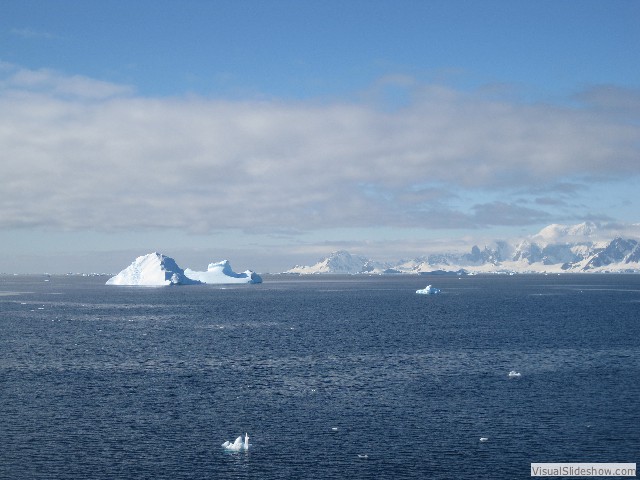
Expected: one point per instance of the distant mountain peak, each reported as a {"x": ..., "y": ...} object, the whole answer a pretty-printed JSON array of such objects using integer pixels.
[
  {"x": 557, "y": 233},
  {"x": 555, "y": 249},
  {"x": 340, "y": 261}
]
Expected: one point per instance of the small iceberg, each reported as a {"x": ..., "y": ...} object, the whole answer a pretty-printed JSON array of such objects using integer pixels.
[
  {"x": 428, "y": 290},
  {"x": 484, "y": 439},
  {"x": 238, "y": 444},
  {"x": 514, "y": 374}
]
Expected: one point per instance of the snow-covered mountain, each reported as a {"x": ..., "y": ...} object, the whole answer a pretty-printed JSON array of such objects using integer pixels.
[
  {"x": 341, "y": 262},
  {"x": 555, "y": 249},
  {"x": 556, "y": 233}
]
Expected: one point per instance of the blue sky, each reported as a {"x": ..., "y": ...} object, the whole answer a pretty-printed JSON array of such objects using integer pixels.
[{"x": 273, "y": 132}]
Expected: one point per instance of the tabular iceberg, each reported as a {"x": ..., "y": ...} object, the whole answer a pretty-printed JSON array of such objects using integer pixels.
[
  {"x": 152, "y": 270},
  {"x": 222, "y": 273}
]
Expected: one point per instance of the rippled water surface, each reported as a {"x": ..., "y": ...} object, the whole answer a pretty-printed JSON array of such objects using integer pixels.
[{"x": 120, "y": 383}]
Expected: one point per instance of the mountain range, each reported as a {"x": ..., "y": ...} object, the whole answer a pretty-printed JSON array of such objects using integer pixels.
[{"x": 555, "y": 249}]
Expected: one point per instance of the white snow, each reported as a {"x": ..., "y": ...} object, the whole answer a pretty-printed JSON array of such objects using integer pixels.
[
  {"x": 222, "y": 273},
  {"x": 152, "y": 270},
  {"x": 341, "y": 262},
  {"x": 557, "y": 233},
  {"x": 580, "y": 248}
]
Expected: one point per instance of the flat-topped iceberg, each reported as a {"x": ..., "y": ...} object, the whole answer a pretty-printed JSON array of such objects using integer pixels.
[
  {"x": 152, "y": 270},
  {"x": 222, "y": 273}
]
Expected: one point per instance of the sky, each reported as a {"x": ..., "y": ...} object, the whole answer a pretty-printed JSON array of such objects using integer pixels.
[{"x": 271, "y": 133}]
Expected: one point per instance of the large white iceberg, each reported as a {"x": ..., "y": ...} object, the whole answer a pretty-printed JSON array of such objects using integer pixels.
[
  {"x": 222, "y": 273},
  {"x": 152, "y": 270}
]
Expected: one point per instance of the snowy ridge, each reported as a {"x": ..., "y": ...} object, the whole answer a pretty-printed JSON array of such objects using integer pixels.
[
  {"x": 340, "y": 262},
  {"x": 578, "y": 248},
  {"x": 555, "y": 233}
]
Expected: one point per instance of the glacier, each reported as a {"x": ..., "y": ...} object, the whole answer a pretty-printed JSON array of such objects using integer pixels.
[{"x": 222, "y": 273}]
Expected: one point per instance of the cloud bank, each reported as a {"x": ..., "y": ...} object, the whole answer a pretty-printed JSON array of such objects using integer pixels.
[{"x": 80, "y": 153}]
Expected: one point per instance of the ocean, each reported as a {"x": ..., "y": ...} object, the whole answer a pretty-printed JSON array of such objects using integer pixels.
[{"x": 333, "y": 377}]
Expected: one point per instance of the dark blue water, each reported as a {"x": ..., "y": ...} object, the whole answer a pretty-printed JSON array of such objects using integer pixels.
[{"x": 102, "y": 382}]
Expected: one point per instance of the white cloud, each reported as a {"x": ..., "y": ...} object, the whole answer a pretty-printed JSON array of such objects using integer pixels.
[
  {"x": 81, "y": 153},
  {"x": 21, "y": 81},
  {"x": 613, "y": 99}
]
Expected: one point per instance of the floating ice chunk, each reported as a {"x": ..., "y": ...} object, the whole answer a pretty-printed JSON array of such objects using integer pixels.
[
  {"x": 428, "y": 290},
  {"x": 238, "y": 444},
  {"x": 235, "y": 446},
  {"x": 222, "y": 273},
  {"x": 514, "y": 374},
  {"x": 363, "y": 456},
  {"x": 484, "y": 439}
]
